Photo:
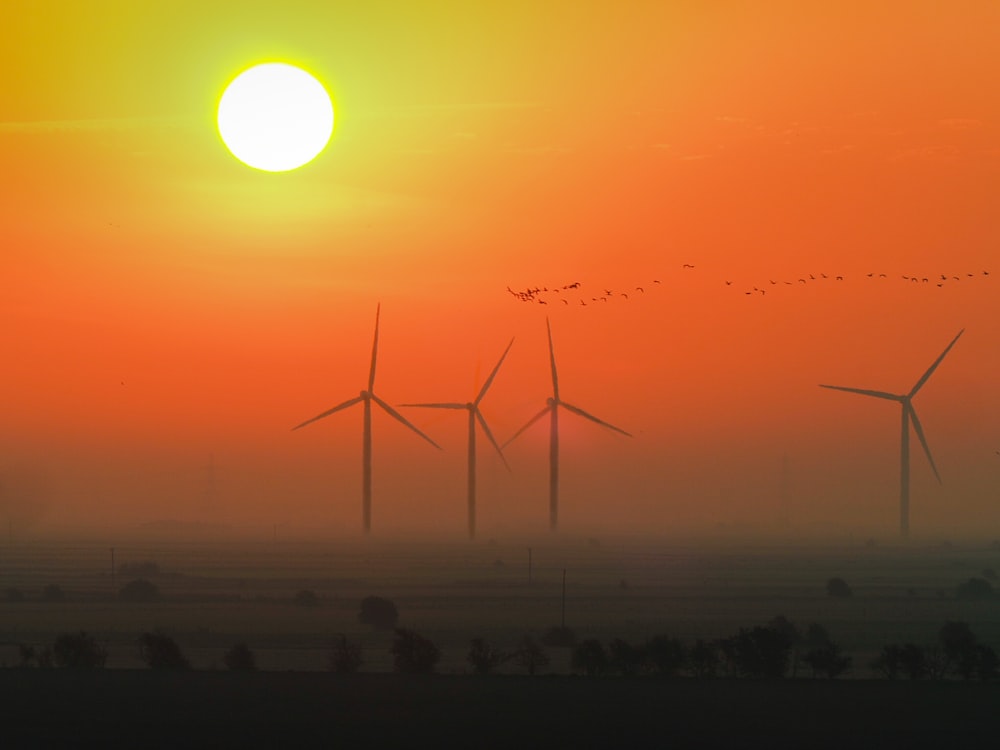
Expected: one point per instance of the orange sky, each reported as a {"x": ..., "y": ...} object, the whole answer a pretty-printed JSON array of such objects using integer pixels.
[{"x": 165, "y": 307}]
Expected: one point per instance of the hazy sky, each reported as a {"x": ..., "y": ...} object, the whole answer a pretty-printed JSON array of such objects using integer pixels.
[{"x": 165, "y": 308}]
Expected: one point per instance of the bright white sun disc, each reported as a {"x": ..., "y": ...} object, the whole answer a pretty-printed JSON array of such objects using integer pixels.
[{"x": 275, "y": 117}]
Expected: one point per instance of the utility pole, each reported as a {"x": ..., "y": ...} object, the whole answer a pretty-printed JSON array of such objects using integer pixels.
[{"x": 563, "y": 618}]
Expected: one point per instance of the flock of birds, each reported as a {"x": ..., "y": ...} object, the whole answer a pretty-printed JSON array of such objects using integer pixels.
[{"x": 572, "y": 294}]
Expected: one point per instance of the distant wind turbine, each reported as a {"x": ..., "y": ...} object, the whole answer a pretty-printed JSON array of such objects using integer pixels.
[
  {"x": 366, "y": 397},
  {"x": 906, "y": 402},
  {"x": 552, "y": 409},
  {"x": 475, "y": 415}
]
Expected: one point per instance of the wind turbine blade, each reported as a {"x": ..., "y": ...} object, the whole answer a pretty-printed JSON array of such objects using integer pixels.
[
  {"x": 393, "y": 413},
  {"x": 328, "y": 412},
  {"x": 371, "y": 372},
  {"x": 489, "y": 436},
  {"x": 534, "y": 419},
  {"x": 933, "y": 367},
  {"x": 920, "y": 436},
  {"x": 439, "y": 406},
  {"x": 552, "y": 360},
  {"x": 489, "y": 380},
  {"x": 863, "y": 392},
  {"x": 592, "y": 418}
]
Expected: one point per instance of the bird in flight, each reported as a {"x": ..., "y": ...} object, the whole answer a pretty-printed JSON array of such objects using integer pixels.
[{"x": 687, "y": 265}]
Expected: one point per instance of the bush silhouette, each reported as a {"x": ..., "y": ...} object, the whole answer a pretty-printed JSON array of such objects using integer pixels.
[
  {"x": 483, "y": 658},
  {"x": 139, "y": 590},
  {"x": 590, "y": 657},
  {"x": 78, "y": 651},
  {"x": 240, "y": 658},
  {"x": 530, "y": 655},
  {"x": 412, "y": 653},
  {"x": 160, "y": 651},
  {"x": 306, "y": 598},
  {"x": 345, "y": 656},
  {"x": 975, "y": 588},
  {"x": 838, "y": 587},
  {"x": 378, "y": 612}
]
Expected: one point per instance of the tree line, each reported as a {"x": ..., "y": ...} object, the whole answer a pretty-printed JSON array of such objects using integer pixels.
[{"x": 777, "y": 650}]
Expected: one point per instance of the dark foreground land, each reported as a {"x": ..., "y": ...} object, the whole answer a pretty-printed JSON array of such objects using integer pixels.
[{"x": 135, "y": 708}]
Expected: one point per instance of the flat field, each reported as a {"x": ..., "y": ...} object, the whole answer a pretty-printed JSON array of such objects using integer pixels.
[
  {"x": 215, "y": 593},
  {"x": 142, "y": 708}
]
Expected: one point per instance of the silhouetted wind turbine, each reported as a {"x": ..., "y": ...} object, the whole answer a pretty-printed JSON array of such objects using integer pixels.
[
  {"x": 475, "y": 416},
  {"x": 906, "y": 402},
  {"x": 552, "y": 409},
  {"x": 366, "y": 397}
]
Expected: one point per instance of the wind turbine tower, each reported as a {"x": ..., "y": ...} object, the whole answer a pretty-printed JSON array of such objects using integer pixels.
[
  {"x": 909, "y": 415},
  {"x": 366, "y": 397},
  {"x": 475, "y": 415},
  {"x": 553, "y": 403}
]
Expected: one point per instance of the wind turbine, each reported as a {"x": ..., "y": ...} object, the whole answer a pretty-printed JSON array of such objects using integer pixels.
[
  {"x": 475, "y": 415},
  {"x": 552, "y": 409},
  {"x": 366, "y": 397},
  {"x": 906, "y": 402}
]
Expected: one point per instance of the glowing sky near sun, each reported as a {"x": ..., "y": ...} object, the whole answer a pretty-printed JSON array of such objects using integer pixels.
[{"x": 165, "y": 308}]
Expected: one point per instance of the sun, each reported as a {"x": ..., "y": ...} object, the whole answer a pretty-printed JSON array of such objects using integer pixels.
[{"x": 275, "y": 117}]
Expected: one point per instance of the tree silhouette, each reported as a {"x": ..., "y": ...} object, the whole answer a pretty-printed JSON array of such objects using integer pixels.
[
  {"x": 704, "y": 658},
  {"x": 78, "y": 651},
  {"x": 822, "y": 655},
  {"x": 559, "y": 637},
  {"x": 53, "y": 593},
  {"x": 889, "y": 662},
  {"x": 345, "y": 657},
  {"x": 483, "y": 657},
  {"x": 412, "y": 653},
  {"x": 786, "y": 626},
  {"x": 378, "y": 612},
  {"x": 913, "y": 661},
  {"x": 530, "y": 655},
  {"x": 306, "y": 598},
  {"x": 838, "y": 587},
  {"x": 240, "y": 658},
  {"x": 160, "y": 651},
  {"x": 758, "y": 652},
  {"x": 975, "y": 588},
  {"x": 590, "y": 657},
  {"x": 664, "y": 656},
  {"x": 139, "y": 590},
  {"x": 625, "y": 658}
]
